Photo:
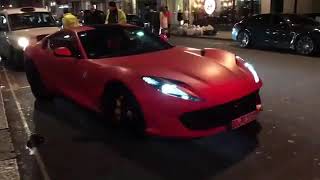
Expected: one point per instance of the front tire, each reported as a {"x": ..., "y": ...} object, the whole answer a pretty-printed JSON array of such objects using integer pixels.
[
  {"x": 123, "y": 111},
  {"x": 244, "y": 39},
  {"x": 305, "y": 45},
  {"x": 37, "y": 87}
]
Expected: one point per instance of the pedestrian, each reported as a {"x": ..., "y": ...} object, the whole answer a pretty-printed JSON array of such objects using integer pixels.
[
  {"x": 168, "y": 14},
  {"x": 81, "y": 17},
  {"x": 164, "y": 21},
  {"x": 146, "y": 14},
  {"x": 180, "y": 17},
  {"x": 94, "y": 16},
  {"x": 69, "y": 20},
  {"x": 115, "y": 15},
  {"x": 155, "y": 21}
]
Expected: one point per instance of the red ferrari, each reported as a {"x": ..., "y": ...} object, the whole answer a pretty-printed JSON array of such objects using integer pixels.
[{"x": 139, "y": 80}]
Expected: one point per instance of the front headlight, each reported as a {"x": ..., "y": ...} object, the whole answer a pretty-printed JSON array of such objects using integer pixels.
[
  {"x": 23, "y": 42},
  {"x": 250, "y": 68},
  {"x": 170, "y": 88}
]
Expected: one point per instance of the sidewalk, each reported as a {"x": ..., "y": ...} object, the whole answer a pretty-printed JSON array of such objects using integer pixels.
[
  {"x": 8, "y": 161},
  {"x": 221, "y": 35}
]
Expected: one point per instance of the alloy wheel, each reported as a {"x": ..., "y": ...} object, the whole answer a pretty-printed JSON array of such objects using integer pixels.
[
  {"x": 123, "y": 112},
  {"x": 243, "y": 39},
  {"x": 305, "y": 45}
]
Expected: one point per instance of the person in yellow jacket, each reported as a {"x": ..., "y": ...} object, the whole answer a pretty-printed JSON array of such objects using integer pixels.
[
  {"x": 115, "y": 15},
  {"x": 69, "y": 20}
]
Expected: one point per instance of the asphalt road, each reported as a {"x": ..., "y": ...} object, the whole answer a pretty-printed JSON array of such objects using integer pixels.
[{"x": 79, "y": 147}]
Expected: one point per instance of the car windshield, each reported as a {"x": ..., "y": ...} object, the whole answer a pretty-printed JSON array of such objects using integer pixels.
[
  {"x": 294, "y": 19},
  {"x": 31, "y": 20},
  {"x": 119, "y": 41}
]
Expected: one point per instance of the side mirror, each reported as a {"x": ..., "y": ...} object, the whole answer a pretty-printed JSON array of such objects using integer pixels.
[{"x": 62, "y": 52}]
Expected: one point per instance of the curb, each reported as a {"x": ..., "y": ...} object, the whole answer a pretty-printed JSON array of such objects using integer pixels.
[
  {"x": 8, "y": 167},
  {"x": 201, "y": 37}
]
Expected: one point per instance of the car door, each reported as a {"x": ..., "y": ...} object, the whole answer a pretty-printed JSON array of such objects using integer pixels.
[
  {"x": 279, "y": 32},
  {"x": 4, "y": 29},
  {"x": 257, "y": 26},
  {"x": 93, "y": 75},
  {"x": 64, "y": 70}
]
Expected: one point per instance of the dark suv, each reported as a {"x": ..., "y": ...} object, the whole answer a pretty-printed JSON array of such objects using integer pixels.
[{"x": 287, "y": 31}]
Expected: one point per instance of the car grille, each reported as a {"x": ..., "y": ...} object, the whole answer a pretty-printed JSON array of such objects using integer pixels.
[{"x": 220, "y": 115}]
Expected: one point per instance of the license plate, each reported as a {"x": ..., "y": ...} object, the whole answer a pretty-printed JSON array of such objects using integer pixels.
[{"x": 243, "y": 120}]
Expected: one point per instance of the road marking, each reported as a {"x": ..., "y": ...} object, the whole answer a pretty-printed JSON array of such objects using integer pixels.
[
  {"x": 39, "y": 160},
  {"x": 23, "y": 87},
  {"x": 17, "y": 88}
]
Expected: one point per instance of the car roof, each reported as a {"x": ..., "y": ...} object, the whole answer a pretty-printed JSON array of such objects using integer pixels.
[{"x": 21, "y": 10}]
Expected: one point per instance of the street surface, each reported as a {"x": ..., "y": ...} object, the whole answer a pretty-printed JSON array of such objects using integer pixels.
[{"x": 79, "y": 147}]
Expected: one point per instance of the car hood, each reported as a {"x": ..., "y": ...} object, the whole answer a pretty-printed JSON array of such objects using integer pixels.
[
  {"x": 34, "y": 32},
  {"x": 33, "y": 35},
  {"x": 206, "y": 76}
]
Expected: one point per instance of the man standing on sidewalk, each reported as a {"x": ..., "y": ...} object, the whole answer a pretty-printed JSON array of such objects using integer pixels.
[{"x": 115, "y": 15}]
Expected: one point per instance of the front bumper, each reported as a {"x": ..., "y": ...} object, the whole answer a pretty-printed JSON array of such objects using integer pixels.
[
  {"x": 221, "y": 115},
  {"x": 170, "y": 117}
]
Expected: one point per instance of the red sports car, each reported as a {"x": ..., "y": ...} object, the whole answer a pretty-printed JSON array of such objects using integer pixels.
[{"x": 138, "y": 79}]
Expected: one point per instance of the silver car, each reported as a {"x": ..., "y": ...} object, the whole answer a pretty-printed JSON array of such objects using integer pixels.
[{"x": 22, "y": 27}]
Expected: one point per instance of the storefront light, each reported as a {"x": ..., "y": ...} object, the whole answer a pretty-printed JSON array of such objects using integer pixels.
[
  {"x": 209, "y": 6},
  {"x": 195, "y": 5},
  {"x": 63, "y": 6},
  {"x": 53, "y": 3}
]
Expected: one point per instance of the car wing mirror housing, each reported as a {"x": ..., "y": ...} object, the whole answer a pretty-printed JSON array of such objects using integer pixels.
[{"x": 63, "y": 52}]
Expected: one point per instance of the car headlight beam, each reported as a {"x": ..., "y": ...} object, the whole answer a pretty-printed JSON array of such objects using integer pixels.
[
  {"x": 253, "y": 71},
  {"x": 23, "y": 42},
  {"x": 169, "y": 88},
  {"x": 250, "y": 68}
]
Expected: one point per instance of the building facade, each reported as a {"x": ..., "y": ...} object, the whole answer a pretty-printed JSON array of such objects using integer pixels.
[
  {"x": 301, "y": 7},
  {"x": 128, "y": 6},
  {"x": 193, "y": 9}
]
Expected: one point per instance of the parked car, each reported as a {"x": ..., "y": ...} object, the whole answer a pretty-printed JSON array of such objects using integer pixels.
[
  {"x": 141, "y": 81},
  {"x": 21, "y": 27},
  {"x": 287, "y": 31}
]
